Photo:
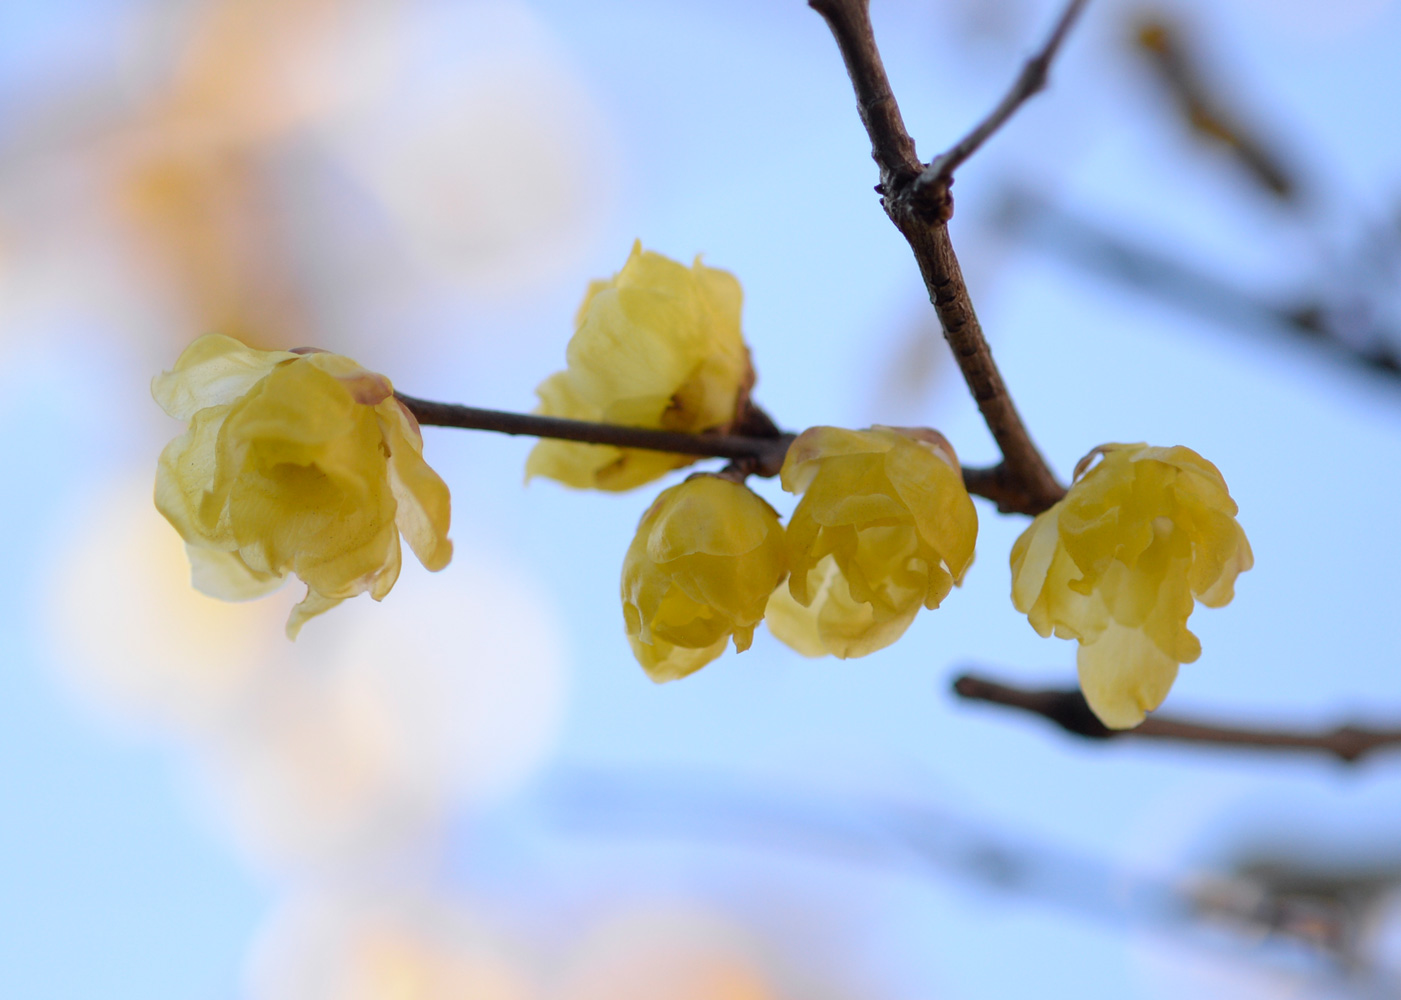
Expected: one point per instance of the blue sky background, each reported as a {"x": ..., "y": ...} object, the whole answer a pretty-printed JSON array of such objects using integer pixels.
[{"x": 726, "y": 129}]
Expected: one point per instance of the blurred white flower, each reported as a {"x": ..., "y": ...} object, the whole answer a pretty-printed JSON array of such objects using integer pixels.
[
  {"x": 392, "y": 719},
  {"x": 679, "y": 952},
  {"x": 492, "y": 161},
  {"x": 368, "y": 946},
  {"x": 132, "y": 637},
  {"x": 300, "y": 171}
]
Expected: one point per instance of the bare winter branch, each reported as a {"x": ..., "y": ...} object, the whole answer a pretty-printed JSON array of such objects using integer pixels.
[
  {"x": 1025, "y": 482},
  {"x": 1067, "y": 709},
  {"x": 766, "y": 453},
  {"x": 756, "y": 454},
  {"x": 891, "y": 146},
  {"x": 938, "y": 176}
]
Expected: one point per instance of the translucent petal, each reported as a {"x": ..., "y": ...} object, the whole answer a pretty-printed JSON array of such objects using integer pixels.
[
  {"x": 1031, "y": 558},
  {"x": 308, "y": 608},
  {"x": 226, "y": 576},
  {"x": 834, "y": 623},
  {"x": 892, "y": 515},
  {"x": 934, "y": 494},
  {"x": 185, "y": 472},
  {"x": 1123, "y": 675},
  {"x": 711, "y": 517},
  {"x": 665, "y": 662},
  {"x": 795, "y": 625},
  {"x": 424, "y": 507},
  {"x": 1136, "y": 538},
  {"x": 213, "y": 371}
]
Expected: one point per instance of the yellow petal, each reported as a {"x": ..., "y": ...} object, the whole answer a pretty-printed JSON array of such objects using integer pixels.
[
  {"x": 884, "y": 527},
  {"x": 424, "y": 506},
  {"x": 1031, "y": 558},
  {"x": 834, "y": 623},
  {"x": 1124, "y": 675},
  {"x": 226, "y": 576},
  {"x": 213, "y": 371},
  {"x": 185, "y": 472},
  {"x": 308, "y": 608},
  {"x": 664, "y": 662}
]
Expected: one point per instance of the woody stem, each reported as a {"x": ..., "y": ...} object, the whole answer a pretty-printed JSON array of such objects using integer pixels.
[{"x": 762, "y": 454}]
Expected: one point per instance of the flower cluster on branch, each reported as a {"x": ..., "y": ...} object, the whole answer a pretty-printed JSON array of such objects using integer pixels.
[{"x": 306, "y": 464}]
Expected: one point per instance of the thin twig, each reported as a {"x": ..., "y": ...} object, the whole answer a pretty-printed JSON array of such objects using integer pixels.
[
  {"x": 1067, "y": 708},
  {"x": 1026, "y": 484},
  {"x": 757, "y": 454},
  {"x": 766, "y": 452},
  {"x": 891, "y": 145},
  {"x": 937, "y": 177}
]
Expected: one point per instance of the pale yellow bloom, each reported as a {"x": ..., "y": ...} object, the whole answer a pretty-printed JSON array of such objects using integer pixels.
[
  {"x": 884, "y": 528},
  {"x": 1116, "y": 565},
  {"x": 658, "y": 346},
  {"x": 294, "y": 463},
  {"x": 705, "y": 559}
]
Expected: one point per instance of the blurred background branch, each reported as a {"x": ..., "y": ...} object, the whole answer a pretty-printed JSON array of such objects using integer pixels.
[
  {"x": 1329, "y": 319},
  {"x": 1275, "y": 905}
]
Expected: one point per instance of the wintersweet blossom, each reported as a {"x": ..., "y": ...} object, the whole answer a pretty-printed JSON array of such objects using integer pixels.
[
  {"x": 705, "y": 559},
  {"x": 1116, "y": 565},
  {"x": 294, "y": 463},
  {"x": 657, "y": 346},
  {"x": 885, "y": 527}
]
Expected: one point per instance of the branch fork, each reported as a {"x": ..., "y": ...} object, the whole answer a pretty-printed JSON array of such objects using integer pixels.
[{"x": 916, "y": 198}]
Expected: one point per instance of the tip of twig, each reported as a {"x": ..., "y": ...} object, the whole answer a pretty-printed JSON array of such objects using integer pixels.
[{"x": 1067, "y": 709}]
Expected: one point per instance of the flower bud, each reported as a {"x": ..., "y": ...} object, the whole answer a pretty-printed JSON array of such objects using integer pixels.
[
  {"x": 706, "y": 557},
  {"x": 657, "y": 346},
  {"x": 884, "y": 528}
]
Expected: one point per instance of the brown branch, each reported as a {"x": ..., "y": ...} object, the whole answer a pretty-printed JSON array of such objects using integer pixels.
[
  {"x": 938, "y": 176},
  {"x": 1026, "y": 484},
  {"x": 766, "y": 453},
  {"x": 756, "y": 454},
  {"x": 891, "y": 146},
  {"x": 1068, "y": 709}
]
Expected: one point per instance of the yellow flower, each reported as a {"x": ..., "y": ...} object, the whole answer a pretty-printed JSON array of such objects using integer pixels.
[
  {"x": 294, "y": 463},
  {"x": 885, "y": 527},
  {"x": 658, "y": 346},
  {"x": 706, "y": 557},
  {"x": 1117, "y": 563}
]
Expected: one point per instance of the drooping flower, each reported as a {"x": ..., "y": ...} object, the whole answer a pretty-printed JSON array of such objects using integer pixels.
[
  {"x": 657, "y": 346},
  {"x": 1116, "y": 565},
  {"x": 294, "y": 463},
  {"x": 700, "y": 570},
  {"x": 885, "y": 527}
]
